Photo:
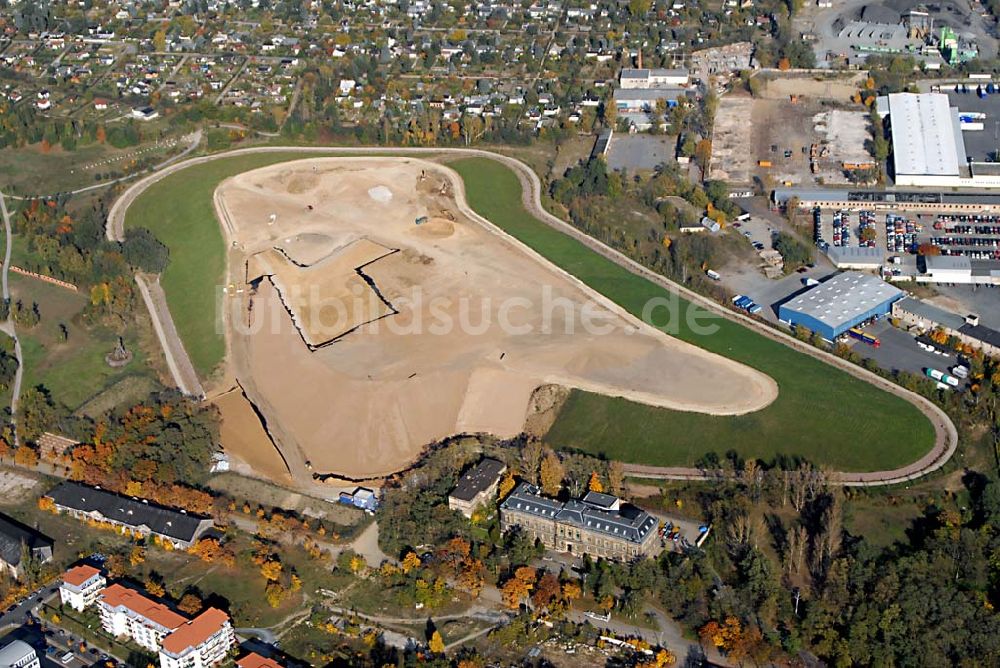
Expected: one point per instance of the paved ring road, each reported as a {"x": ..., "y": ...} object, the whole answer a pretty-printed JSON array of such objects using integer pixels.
[{"x": 946, "y": 435}]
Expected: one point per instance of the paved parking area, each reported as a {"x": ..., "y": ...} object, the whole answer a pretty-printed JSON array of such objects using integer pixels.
[
  {"x": 642, "y": 151},
  {"x": 899, "y": 351},
  {"x": 767, "y": 292},
  {"x": 687, "y": 531},
  {"x": 51, "y": 647},
  {"x": 963, "y": 299}
]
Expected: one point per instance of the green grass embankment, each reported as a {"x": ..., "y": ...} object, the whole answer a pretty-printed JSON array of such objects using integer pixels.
[{"x": 822, "y": 413}]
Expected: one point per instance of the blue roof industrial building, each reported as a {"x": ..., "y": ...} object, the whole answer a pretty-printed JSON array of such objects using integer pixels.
[{"x": 844, "y": 301}]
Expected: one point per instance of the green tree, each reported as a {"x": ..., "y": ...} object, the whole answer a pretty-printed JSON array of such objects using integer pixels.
[
  {"x": 794, "y": 252},
  {"x": 144, "y": 251}
]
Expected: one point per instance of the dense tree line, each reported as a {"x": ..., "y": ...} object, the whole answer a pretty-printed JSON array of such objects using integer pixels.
[
  {"x": 780, "y": 575},
  {"x": 594, "y": 196},
  {"x": 73, "y": 247}
]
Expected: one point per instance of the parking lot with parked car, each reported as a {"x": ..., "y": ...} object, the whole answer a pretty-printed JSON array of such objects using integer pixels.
[{"x": 900, "y": 350}]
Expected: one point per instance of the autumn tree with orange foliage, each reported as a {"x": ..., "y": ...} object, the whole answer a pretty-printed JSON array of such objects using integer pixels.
[
  {"x": 594, "y": 484},
  {"x": 552, "y": 474},
  {"x": 271, "y": 570},
  {"x": 154, "y": 587},
  {"x": 454, "y": 552},
  {"x": 517, "y": 588},
  {"x": 472, "y": 576},
  {"x": 547, "y": 591},
  {"x": 571, "y": 591},
  {"x": 191, "y": 604},
  {"x": 211, "y": 551},
  {"x": 26, "y": 456},
  {"x": 410, "y": 561},
  {"x": 507, "y": 484},
  {"x": 737, "y": 642}
]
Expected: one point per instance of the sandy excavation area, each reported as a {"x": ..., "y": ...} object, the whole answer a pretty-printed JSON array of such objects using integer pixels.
[{"x": 373, "y": 314}]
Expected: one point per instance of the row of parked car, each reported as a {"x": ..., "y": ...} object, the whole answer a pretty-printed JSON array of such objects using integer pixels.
[
  {"x": 972, "y": 254},
  {"x": 841, "y": 230},
  {"x": 900, "y": 234},
  {"x": 747, "y": 304},
  {"x": 978, "y": 218},
  {"x": 867, "y": 223},
  {"x": 981, "y": 242},
  {"x": 968, "y": 229}
]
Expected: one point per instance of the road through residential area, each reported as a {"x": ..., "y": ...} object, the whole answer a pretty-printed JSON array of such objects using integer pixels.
[{"x": 946, "y": 435}]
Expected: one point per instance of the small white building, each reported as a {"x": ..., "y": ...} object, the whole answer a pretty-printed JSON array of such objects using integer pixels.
[
  {"x": 202, "y": 642},
  {"x": 145, "y": 113},
  {"x": 18, "y": 654},
  {"x": 947, "y": 269},
  {"x": 653, "y": 78},
  {"x": 80, "y": 587},
  {"x": 346, "y": 87}
]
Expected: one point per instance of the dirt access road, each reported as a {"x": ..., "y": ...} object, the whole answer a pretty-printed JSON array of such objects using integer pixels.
[{"x": 946, "y": 436}]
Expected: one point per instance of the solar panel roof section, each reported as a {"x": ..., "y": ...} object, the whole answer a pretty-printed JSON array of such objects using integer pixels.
[{"x": 923, "y": 134}]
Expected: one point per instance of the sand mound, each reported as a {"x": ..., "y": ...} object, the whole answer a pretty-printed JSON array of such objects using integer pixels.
[
  {"x": 307, "y": 249},
  {"x": 435, "y": 228},
  {"x": 380, "y": 194},
  {"x": 468, "y": 338},
  {"x": 301, "y": 183}
]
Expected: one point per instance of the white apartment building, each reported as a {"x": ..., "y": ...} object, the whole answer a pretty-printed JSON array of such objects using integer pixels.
[
  {"x": 80, "y": 587},
  {"x": 654, "y": 78},
  {"x": 126, "y": 612},
  {"x": 18, "y": 654},
  {"x": 200, "y": 643}
]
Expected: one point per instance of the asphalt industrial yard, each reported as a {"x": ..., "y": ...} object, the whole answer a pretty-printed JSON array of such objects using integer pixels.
[
  {"x": 640, "y": 151},
  {"x": 980, "y": 145},
  {"x": 898, "y": 349},
  {"x": 833, "y": 42}
]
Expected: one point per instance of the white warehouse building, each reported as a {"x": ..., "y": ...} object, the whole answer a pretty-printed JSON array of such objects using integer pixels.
[{"x": 928, "y": 148}]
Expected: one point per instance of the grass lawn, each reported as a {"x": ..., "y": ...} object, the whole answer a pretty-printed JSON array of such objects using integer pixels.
[
  {"x": 316, "y": 646},
  {"x": 881, "y": 523},
  {"x": 73, "y": 369},
  {"x": 821, "y": 413},
  {"x": 28, "y": 171},
  {"x": 240, "y": 589}
]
